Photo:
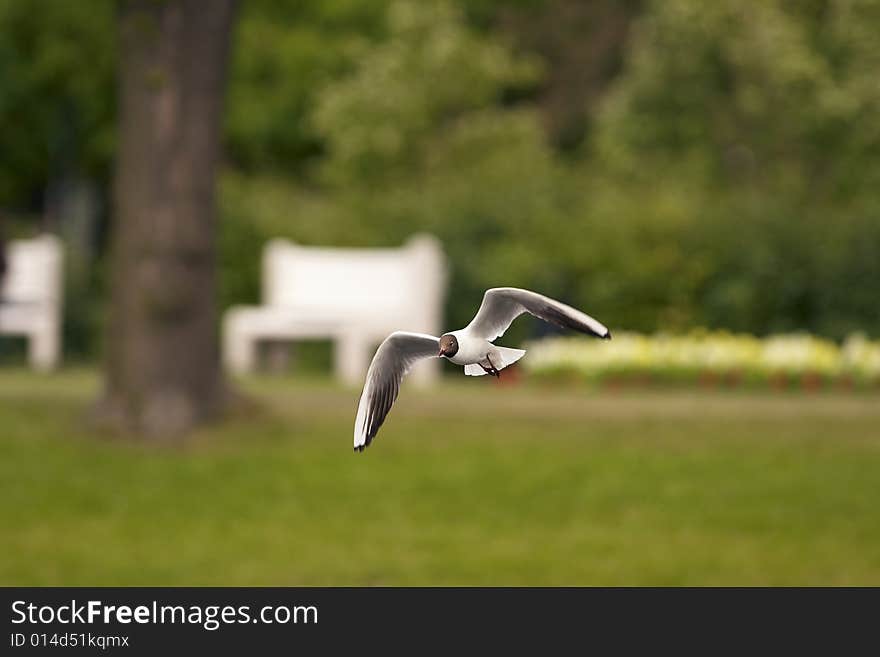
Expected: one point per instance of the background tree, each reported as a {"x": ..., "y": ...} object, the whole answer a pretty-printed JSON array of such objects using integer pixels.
[
  {"x": 163, "y": 373},
  {"x": 684, "y": 163},
  {"x": 735, "y": 157}
]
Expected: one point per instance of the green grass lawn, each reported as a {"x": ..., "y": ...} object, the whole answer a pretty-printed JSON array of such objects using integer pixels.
[{"x": 469, "y": 483}]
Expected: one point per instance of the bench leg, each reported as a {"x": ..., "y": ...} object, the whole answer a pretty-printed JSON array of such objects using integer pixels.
[
  {"x": 44, "y": 347},
  {"x": 426, "y": 372},
  {"x": 351, "y": 358},
  {"x": 239, "y": 350}
]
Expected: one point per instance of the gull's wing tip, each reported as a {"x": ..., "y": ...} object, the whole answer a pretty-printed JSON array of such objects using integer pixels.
[
  {"x": 607, "y": 335},
  {"x": 390, "y": 363}
]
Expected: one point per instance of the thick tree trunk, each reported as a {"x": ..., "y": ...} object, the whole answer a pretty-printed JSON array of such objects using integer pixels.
[{"x": 163, "y": 374}]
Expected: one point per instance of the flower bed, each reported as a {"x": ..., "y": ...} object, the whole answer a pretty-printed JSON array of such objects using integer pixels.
[{"x": 709, "y": 358}]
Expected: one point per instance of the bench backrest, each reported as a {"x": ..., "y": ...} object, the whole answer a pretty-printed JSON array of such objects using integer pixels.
[
  {"x": 355, "y": 282},
  {"x": 33, "y": 272}
]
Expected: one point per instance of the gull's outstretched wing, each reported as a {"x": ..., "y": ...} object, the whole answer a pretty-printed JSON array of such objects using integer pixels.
[
  {"x": 502, "y": 305},
  {"x": 392, "y": 361}
]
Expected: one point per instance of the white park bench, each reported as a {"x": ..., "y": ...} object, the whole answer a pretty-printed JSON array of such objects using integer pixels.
[
  {"x": 31, "y": 295},
  {"x": 355, "y": 297}
]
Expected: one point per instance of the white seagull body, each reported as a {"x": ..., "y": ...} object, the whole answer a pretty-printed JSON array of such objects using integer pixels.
[{"x": 471, "y": 347}]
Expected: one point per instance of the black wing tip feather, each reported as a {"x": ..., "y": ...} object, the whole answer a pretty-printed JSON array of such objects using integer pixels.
[
  {"x": 362, "y": 447},
  {"x": 369, "y": 439},
  {"x": 386, "y": 398},
  {"x": 561, "y": 319}
]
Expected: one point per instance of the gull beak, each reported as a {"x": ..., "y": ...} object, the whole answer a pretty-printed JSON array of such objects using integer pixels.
[{"x": 441, "y": 354}]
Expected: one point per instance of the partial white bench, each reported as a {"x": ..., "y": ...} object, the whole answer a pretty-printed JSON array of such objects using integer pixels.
[
  {"x": 355, "y": 297},
  {"x": 31, "y": 296}
]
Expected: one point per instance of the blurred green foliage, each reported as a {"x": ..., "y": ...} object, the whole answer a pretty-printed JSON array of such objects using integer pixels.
[
  {"x": 285, "y": 51},
  {"x": 727, "y": 172},
  {"x": 751, "y": 131},
  {"x": 57, "y": 99}
]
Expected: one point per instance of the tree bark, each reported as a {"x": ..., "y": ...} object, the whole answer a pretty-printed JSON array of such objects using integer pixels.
[
  {"x": 583, "y": 44},
  {"x": 162, "y": 372}
]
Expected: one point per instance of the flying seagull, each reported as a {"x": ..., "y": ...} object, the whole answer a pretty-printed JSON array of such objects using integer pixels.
[{"x": 471, "y": 346}]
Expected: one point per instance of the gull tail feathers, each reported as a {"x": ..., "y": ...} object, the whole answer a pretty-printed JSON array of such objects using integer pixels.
[
  {"x": 474, "y": 370},
  {"x": 508, "y": 356}
]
